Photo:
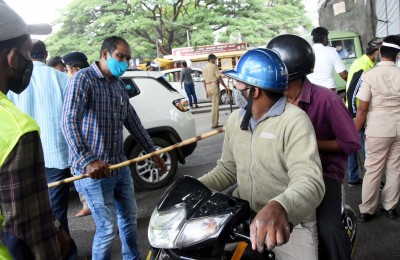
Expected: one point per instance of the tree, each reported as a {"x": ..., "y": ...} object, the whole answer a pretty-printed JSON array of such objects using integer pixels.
[{"x": 84, "y": 24}]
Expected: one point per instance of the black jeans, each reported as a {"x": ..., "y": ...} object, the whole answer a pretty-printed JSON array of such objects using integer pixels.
[
  {"x": 59, "y": 195},
  {"x": 333, "y": 240}
]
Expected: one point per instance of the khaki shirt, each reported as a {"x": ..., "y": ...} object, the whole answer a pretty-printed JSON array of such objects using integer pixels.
[
  {"x": 211, "y": 73},
  {"x": 381, "y": 87}
]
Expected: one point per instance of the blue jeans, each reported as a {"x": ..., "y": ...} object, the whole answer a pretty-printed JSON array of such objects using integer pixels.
[
  {"x": 59, "y": 196},
  {"x": 352, "y": 162},
  {"x": 112, "y": 199},
  {"x": 190, "y": 92}
]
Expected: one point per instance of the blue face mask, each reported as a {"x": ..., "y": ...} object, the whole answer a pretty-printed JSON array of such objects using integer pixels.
[{"x": 116, "y": 67}]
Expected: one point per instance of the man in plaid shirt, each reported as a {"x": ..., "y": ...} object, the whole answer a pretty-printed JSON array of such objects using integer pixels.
[
  {"x": 28, "y": 229},
  {"x": 96, "y": 108}
]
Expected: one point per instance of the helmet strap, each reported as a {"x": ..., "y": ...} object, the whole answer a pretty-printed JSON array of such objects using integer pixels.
[{"x": 246, "y": 119}]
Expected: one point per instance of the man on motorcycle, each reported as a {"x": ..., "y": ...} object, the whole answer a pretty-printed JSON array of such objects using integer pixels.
[
  {"x": 336, "y": 137},
  {"x": 270, "y": 151}
]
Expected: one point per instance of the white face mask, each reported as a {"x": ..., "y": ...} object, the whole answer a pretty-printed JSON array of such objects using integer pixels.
[{"x": 240, "y": 100}]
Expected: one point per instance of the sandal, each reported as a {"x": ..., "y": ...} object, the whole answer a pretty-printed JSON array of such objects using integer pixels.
[{"x": 83, "y": 212}]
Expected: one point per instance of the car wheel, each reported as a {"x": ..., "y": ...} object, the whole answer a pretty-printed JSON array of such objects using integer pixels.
[
  {"x": 145, "y": 174},
  {"x": 223, "y": 98}
]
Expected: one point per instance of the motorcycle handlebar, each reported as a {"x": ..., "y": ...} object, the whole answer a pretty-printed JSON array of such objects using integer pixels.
[{"x": 243, "y": 232}]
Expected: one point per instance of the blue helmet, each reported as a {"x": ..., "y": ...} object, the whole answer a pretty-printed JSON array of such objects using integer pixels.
[{"x": 262, "y": 68}]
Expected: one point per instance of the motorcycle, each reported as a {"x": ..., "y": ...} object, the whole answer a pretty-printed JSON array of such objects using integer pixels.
[
  {"x": 349, "y": 220},
  {"x": 194, "y": 222}
]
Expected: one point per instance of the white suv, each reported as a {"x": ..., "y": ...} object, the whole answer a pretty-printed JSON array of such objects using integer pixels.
[{"x": 163, "y": 112}]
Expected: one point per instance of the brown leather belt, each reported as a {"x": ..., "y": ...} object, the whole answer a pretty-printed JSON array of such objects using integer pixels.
[{"x": 214, "y": 82}]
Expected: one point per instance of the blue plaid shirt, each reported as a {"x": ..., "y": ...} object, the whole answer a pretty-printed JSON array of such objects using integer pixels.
[{"x": 94, "y": 113}]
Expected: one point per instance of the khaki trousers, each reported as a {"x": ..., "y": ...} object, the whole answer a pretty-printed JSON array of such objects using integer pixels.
[
  {"x": 381, "y": 152},
  {"x": 213, "y": 93},
  {"x": 303, "y": 243}
]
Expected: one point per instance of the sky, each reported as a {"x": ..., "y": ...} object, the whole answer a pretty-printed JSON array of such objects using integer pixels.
[{"x": 38, "y": 11}]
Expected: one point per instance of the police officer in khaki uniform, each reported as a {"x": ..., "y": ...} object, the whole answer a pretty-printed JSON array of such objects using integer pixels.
[
  {"x": 379, "y": 98},
  {"x": 211, "y": 80}
]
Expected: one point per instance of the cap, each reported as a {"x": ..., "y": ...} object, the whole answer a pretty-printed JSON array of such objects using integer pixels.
[
  {"x": 12, "y": 25},
  {"x": 74, "y": 57},
  {"x": 374, "y": 44}
]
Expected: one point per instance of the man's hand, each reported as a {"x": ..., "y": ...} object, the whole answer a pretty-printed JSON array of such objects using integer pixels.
[
  {"x": 206, "y": 94},
  {"x": 97, "y": 169},
  {"x": 270, "y": 227},
  {"x": 161, "y": 166}
]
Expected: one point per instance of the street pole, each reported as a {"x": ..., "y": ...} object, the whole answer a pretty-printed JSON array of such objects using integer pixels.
[
  {"x": 187, "y": 35},
  {"x": 158, "y": 52}
]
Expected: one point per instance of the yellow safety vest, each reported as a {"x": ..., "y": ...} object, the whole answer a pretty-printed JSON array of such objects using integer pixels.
[{"x": 13, "y": 124}]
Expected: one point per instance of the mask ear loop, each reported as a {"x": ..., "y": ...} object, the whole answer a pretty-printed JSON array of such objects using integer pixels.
[{"x": 246, "y": 119}]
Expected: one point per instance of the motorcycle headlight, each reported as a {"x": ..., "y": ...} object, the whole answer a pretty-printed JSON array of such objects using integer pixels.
[
  {"x": 164, "y": 226},
  {"x": 199, "y": 229},
  {"x": 167, "y": 229}
]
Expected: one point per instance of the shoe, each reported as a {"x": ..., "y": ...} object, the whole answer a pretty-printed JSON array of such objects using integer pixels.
[
  {"x": 382, "y": 185},
  {"x": 356, "y": 183},
  {"x": 390, "y": 214},
  {"x": 364, "y": 217},
  {"x": 83, "y": 212},
  {"x": 217, "y": 126},
  {"x": 196, "y": 106}
]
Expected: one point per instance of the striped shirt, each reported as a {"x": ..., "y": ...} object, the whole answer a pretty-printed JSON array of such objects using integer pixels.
[
  {"x": 43, "y": 100},
  {"x": 94, "y": 113}
]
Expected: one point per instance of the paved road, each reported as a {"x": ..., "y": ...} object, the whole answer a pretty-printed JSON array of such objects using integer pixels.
[{"x": 377, "y": 239}]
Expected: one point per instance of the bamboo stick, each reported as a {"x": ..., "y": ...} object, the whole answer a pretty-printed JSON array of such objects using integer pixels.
[{"x": 144, "y": 157}]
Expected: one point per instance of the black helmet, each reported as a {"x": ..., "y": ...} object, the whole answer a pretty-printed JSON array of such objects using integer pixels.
[{"x": 296, "y": 53}]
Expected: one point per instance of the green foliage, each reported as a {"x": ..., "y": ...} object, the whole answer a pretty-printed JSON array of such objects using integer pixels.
[{"x": 84, "y": 24}]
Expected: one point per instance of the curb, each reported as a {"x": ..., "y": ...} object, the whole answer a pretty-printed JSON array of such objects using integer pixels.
[{"x": 206, "y": 108}]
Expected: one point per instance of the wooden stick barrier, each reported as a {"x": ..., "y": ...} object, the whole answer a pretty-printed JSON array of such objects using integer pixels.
[{"x": 144, "y": 157}]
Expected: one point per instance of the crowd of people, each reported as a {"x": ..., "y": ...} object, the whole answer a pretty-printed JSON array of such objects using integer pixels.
[
  {"x": 287, "y": 148},
  {"x": 79, "y": 111}
]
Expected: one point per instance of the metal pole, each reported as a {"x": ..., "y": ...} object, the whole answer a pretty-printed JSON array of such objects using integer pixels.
[
  {"x": 158, "y": 52},
  {"x": 187, "y": 35}
]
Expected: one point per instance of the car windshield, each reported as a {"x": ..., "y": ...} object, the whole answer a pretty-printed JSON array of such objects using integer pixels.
[{"x": 345, "y": 48}]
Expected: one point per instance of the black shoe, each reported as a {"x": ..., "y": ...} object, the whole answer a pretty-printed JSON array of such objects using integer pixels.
[
  {"x": 390, "y": 214},
  {"x": 364, "y": 217},
  {"x": 217, "y": 126},
  {"x": 382, "y": 185},
  {"x": 356, "y": 183}
]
